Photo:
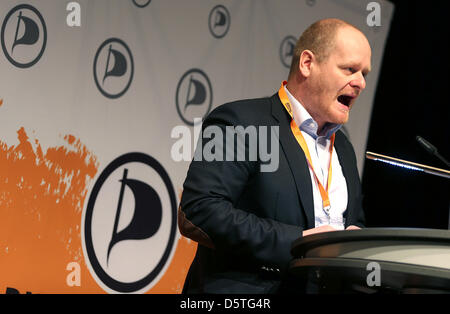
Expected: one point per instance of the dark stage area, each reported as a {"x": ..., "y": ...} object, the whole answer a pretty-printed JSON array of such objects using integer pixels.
[{"x": 412, "y": 99}]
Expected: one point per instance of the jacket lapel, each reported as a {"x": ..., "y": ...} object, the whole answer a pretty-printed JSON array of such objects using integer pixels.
[
  {"x": 296, "y": 159},
  {"x": 344, "y": 156}
]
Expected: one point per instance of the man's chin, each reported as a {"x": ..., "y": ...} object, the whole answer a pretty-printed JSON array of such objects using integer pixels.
[{"x": 341, "y": 118}]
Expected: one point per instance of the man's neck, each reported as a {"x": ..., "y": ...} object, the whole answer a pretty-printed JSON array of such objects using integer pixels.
[{"x": 297, "y": 94}]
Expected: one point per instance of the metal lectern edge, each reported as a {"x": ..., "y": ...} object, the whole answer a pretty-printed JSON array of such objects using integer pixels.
[{"x": 302, "y": 245}]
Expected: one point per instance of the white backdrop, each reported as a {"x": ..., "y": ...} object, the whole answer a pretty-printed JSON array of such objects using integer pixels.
[{"x": 57, "y": 123}]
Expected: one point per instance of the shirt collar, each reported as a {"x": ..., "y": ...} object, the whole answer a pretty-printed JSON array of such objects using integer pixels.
[{"x": 306, "y": 123}]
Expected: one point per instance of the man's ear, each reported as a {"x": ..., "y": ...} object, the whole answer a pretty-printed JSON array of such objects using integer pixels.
[{"x": 305, "y": 62}]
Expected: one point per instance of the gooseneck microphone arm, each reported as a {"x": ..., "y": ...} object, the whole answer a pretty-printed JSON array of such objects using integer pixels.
[{"x": 432, "y": 150}]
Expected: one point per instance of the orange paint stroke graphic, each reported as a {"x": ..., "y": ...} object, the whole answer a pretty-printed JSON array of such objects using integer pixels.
[
  {"x": 42, "y": 197},
  {"x": 41, "y": 201}
]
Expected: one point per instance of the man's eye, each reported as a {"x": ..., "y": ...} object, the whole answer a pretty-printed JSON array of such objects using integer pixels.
[{"x": 352, "y": 70}]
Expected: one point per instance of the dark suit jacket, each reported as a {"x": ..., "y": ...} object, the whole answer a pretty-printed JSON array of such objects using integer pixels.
[{"x": 245, "y": 220}]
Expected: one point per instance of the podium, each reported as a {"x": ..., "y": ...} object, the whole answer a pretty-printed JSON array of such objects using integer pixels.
[{"x": 374, "y": 260}]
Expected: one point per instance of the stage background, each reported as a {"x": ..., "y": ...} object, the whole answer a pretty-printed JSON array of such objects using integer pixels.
[
  {"x": 87, "y": 114},
  {"x": 411, "y": 99}
]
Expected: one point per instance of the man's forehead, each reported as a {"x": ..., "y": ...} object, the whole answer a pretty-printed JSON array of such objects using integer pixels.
[
  {"x": 347, "y": 35},
  {"x": 353, "y": 46}
]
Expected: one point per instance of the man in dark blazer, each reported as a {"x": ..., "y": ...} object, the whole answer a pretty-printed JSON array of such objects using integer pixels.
[{"x": 245, "y": 219}]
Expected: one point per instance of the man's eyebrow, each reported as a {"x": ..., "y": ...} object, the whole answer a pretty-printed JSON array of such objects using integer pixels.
[{"x": 367, "y": 70}]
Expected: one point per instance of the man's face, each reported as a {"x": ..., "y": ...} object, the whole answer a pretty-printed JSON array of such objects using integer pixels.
[{"x": 337, "y": 81}]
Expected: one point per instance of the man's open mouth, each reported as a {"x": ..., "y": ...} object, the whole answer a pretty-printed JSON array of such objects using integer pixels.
[{"x": 345, "y": 100}]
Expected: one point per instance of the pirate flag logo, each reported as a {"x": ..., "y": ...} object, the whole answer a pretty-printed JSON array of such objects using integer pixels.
[
  {"x": 113, "y": 68},
  {"x": 129, "y": 224},
  {"x": 23, "y": 36},
  {"x": 193, "y": 96}
]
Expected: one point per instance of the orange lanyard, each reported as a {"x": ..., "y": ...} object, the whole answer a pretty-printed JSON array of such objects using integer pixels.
[{"x": 301, "y": 141}]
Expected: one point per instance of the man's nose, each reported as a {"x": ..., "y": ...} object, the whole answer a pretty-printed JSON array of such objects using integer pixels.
[{"x": 359, "y": 81}]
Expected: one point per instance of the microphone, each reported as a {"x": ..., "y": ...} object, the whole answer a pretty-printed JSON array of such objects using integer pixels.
[
  {"x": 431, "y": 149},
  {"x": 425, "y": 144}
]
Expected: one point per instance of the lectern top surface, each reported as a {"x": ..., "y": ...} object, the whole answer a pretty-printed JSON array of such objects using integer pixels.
[{"x": 371, "y": 235}]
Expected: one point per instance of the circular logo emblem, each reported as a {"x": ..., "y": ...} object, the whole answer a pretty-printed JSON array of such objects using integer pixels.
[
  {"x": 23, "y": 36},
  {"x": 219, "y": 21},
  {"x": 194, "y": 96},
  {"x": 130, "y": 224},
  {"x": 142, "y": 3},
  {"x": 287, "y": 50},
  {"x": 113, "y": 68}
]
